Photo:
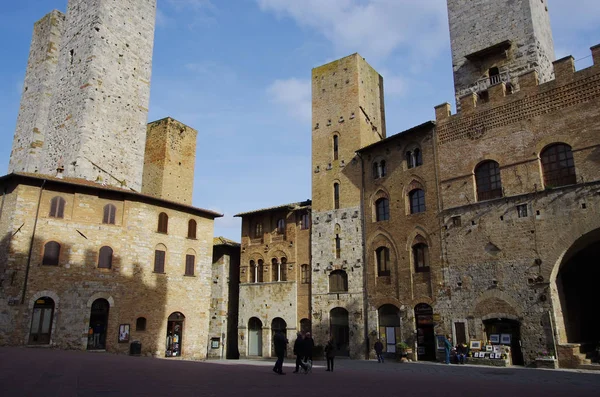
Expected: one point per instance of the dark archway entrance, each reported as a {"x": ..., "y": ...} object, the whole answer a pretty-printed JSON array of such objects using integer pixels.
[
  {"x": 389, "y": 328},
  {"x": 98, "y": 325},
  {"x": 502, "y": 327},
  {"x": 340, "y": 330},
  {"x": 254, "y": 337},
  {"x": 175, "y": 324},
  {"x": 425, "y": 334},
  {"x": 41, "y": 321}
]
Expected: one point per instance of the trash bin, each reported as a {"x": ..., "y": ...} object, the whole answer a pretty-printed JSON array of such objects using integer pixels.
[{"x": 135, "y": 348}]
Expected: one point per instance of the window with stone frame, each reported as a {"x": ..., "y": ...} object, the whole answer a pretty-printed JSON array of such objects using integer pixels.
[
  {"x": 192, "y": 227},
  {"x": 417, "y": 201},
  {"x": 420, "y": 253},
  {"x": 336, "y": 195},
  {"x": 163, "y": 223},
  {"x": 280, "y": 226},
  {"x": 105, "y": 258},
  {"x": 414, "y": 158},
  {"x": 382, "y": 255},
  {"x": 140, "y": 324},
  {"x": 159, "y": 261},
  {"x": 338, "y": 281},
  {"x": 558, "y": 165},
  {"x": 51, "y": 254},
  {"x": 190, "y": 263},
  {"x": 305, "y": 277},
  {"x": 258, "y": 232},
  {"x": 109, "y": 214},
  {"x": 382, "y": 209},
  {"x": 57, "y": 207},
  {"x": 305, "y": 221},
  {"x": 487, "y": 179}
]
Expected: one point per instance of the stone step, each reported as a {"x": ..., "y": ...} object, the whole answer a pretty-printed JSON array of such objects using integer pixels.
[{"x": 593, "y": 367}]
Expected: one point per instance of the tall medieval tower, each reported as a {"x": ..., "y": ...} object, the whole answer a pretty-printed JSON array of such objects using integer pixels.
[
  {"x": 86, "y": 94},
  {"x": 348, "y": 114},
  {"x": 496, "y": 41}
]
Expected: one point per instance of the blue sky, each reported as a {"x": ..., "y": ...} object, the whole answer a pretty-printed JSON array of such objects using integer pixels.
[{"x": 238, "y": 71}]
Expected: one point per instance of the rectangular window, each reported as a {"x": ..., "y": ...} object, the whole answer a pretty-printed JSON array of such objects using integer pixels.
[
  {"x": 159, "y": 261},
  {"x": 190, "y": 261},
  {"x": 336, "y": 195},
  {"x": 305, "y": 274},
  {"x": 522, "y": 210},
  {"x": 456, "y": 221},
  {"x": 305, "y": 222},
  {"x": 461, "y": 334},
  {"x": 338, "y": 246}
]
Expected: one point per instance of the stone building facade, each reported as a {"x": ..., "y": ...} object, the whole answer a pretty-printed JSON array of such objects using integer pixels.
[{"x": 274, "y": 277}]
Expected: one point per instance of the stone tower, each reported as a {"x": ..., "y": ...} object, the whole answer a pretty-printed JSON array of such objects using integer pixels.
[
  {"x": 100, "y": 91},
  {"x": 347, "y": 114},
  {"x": 496, "y": 41},
  {"x": 169, "y": 161}
]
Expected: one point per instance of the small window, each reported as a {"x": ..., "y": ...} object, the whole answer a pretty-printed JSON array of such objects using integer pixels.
[
  {"x": 51, "y": 253},
  {"x": 418, "y": 157},
  {"x": 487, "y": 178},
  {"x": 522, "y": 210},
  {"x": 192, "y": 226},
  {"x": 105, "y": 258},
  {"x": 421, "y": 257},
  {"x": 57, "y": 207},
  {"x": 382, "y": 169},
  {"x": 190, "y": 262},
  {"x": 140, "y": 324},
  {"x": 383, "y": 261},
  {"x": 558, "y": 165},
  {"x": 252, "y": 270},
  {"x": 336, "y": 195},
  {"x": 338, "y": 281},
  {"x": 260, "y": 270},
  {"x": 281, "y": 226},
  {"x": 379, "y": 169},
  {"x": 409, "y": 160},
  {"x": 382, "y": 207},
  {"x": 417, "y": 201},
  {"x": 305, "y": 274},
  {"x": 283, "y": 270},
  {"x": 258, "y": 230},
  {"x": 163, "y": 223},
  {"x": 335, "y": 147},
  {"x": 275, "y": 269},
  {"x": 456, "y": 221},
  {"x": 338, "y": 246},
  {"x": 305, "y": 221},
  {"x": 375, "y": 170},
  {"x": 159, "y": 261},
  {"x": 109, "y": 214}
]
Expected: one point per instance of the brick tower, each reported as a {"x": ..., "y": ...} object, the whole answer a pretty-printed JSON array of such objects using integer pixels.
[
  {"x": 99, "y": 87},
  {"x": 347, "y": 113},
  {"x": 495, "y": 41}
]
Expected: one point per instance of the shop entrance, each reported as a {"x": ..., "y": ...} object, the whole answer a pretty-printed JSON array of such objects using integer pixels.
[
  {"x": 254, "y": 337},
  {"x": 98, "y": 325},
  {"x": 41, "y": 322},
  {"x": 174, "y": 346},
  {"x": 278, "y": 324},
  {"x": 425, "y": 334},
  {"x": 509, "y": 332},
  {"x": 389, "y": 328},
  {"x": 340, "y": 330}
]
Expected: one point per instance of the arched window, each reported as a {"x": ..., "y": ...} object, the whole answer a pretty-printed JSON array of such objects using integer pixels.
[
  {"x": 57, "y": 207},
  {"x": 382, "y": 207},
  {"x": 105, "y": 258},
  {"x": 558, "y": 165},
  {"x": 420, "y": 253},
  {"x": 338, "y": 246},
  {"x": 335, "y": 147},
  {"x": 487, "y": 178},
  {"x": 190, "y": 263},
  {"x": 276, "y": 270},
  {"x": 260, "y": 269},
  {"x": 417, "y": 201},
  {"x": 336, "y": 195},
  {"x": 192, "y": 226},
  {"x": 140, "y": 324},
  {"x": 163, "y": 223},
  {"x": 305, "y": 274},
  {"x": 160, "y": 254},
  {"x": 281, "y": 226},
  {"x": 51, "y": 253},
  {"x": 383, "y": 261},
  {"x": 338, "y": 281},
  {"x": 258, "y": 230},
  {"x": 109, "y": 214},
  {"x": 283, "y": 269},
  {"x": 253, "y": 272}
]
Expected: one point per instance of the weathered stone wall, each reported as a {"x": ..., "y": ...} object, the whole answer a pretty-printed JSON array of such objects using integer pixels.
[
  {"x": 478, "y": 24},
  {"x": 131, "y": 286},
  {"x": 169, "y": 161},
  {"x": 99, "y": 106},
  {"x": 32, "y": 123}
]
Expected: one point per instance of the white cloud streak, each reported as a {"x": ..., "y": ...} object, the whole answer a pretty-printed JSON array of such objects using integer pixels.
[{"x": 294, "y": 95}]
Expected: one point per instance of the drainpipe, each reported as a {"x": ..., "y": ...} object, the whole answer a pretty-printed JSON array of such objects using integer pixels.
[
  {"x": 364, "y": 259},
  {"x": 37, "y": 214}
]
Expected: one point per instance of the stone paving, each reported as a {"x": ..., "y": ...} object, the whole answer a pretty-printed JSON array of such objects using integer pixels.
[{"x": 47, "y": 372}]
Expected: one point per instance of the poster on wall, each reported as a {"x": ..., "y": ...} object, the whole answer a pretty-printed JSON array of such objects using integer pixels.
[
  {"x": 505, "y": 339},
  {"x": 123, "y": 333}
]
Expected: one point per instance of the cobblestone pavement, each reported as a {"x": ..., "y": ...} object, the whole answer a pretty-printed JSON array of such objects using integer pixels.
[{"x": 47, "y": 372}]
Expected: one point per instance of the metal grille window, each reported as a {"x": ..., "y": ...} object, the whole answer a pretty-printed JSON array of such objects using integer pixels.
[
  {"x": 105, "y": 258},
  {"x": 109, "y": 214},
  {"x": 192, "y": 226},
  {"x": 51, "y": 253},
  {"x": 421, "y": 257},
  {"x": 417, "y": 201},
  {"x": 383, "y": 261},
  {"x": 382, "y": 207},
  {"x": 558, "y": 165},
  {"x": 190, "y": 262},
  {"x": 159, "y": 261},
  {"x": 487, "y": 178},
  {"x": 163, "y": 223},
  {"x": 57, "y": 207},
  {"x": 338, "y": 281}
]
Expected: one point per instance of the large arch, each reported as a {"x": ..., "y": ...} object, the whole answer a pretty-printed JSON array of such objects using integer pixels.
[
  {"x": 389, "y": 327},
  {"x": 255, "y": 337},
  {"x": 339, "y": 328}
]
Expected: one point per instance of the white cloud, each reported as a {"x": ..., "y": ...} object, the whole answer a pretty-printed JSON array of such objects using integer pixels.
[
  {"x": 393, "y": 84},
  {"x": 294, "y": 95},
  {"x": 375, "y": 28}
]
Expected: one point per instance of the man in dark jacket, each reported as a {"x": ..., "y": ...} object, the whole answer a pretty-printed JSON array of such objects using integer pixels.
[
  {"x": 379, "y": 350},
  {"x": 309, "y": 345},
  {"x": 280, "y": 343},
  {"x": 299, "y": 352}
]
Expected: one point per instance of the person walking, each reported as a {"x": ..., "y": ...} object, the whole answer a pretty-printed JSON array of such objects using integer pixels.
[
  {"x": 330, "y": 354},
  {"x": 447, "y": 347},
  {"x": 280, "y": 342},
  {"x": 299, "y": 352},
  {"x": 309, "y": 345},
  {"x": 379, "y": 350}
]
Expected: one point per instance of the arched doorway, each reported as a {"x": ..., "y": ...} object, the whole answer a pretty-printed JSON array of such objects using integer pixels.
[
  {"x": 175, "y": 324},
  {"x": 41, "y": 321},
  {"x": 389, "y": 327},
  {"x": 503, "y": 327},
  {"x": 98, "y": 324},
  {"x": 340, "y": 330},
  {"x": 576, "y": 284},
  {"x": 278, "y": 324},
  {"x": 254, "y": 337},
  {"x": 305, "y": 326},
  {"x": 425, "y": 334}
]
